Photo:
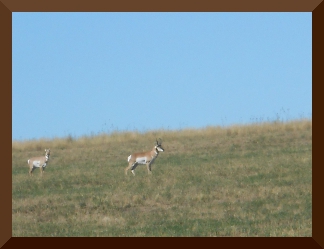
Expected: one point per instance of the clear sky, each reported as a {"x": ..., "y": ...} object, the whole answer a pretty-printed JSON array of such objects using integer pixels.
[{"x": 86, "y": 73}]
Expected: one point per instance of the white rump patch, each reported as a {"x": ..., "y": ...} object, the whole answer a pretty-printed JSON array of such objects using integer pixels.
[
  {"x": 141, "y": 160},
  {"x": 129, "y": 157}
]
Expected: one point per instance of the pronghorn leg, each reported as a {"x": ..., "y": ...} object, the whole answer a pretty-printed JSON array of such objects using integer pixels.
[
  {"x": 42, "y": 171},
  {"x": 149, "y": 170},
  {"x": 128, "y": 167},
  {"x": 31, "y": 171},
  {"x": 132, "y": 167}
]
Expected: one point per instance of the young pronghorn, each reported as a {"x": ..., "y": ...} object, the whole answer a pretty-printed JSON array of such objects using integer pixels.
[
  {"x": 39, "y": 162},
  {"x": 144, "y": 158}
]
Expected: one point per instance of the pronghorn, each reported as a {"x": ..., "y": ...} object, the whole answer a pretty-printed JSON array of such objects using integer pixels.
[
  {"x": 39, "y": 162},
  {"x": 144, "y": 158}
]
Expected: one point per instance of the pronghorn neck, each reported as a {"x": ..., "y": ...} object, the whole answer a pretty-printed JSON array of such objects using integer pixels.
[
  {"x": 47, "y": 155},
  {"x": 155, "y": 151}
]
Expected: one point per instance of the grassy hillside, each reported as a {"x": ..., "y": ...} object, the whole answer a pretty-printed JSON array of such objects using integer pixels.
[{"x": 253, "y": 180}]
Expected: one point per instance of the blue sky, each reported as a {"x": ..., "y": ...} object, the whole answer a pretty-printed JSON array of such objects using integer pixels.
[{"x": 86, "y": 73}]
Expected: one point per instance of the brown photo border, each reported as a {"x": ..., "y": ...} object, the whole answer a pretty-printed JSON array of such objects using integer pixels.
[{"x": 9, "y": 6}]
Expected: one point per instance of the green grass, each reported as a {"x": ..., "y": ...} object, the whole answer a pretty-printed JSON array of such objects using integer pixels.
[{"x": 253, "y": 180}]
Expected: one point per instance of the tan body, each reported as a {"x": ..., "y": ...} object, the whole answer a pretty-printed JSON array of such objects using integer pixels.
[
  {"x": 38, "y": 162},
  {"x": 143, "y": 158}
]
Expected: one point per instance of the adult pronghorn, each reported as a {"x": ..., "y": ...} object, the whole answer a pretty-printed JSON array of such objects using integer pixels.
[
  {"x": 39, "y": 162},
  {"x": 144, "y": 158}
]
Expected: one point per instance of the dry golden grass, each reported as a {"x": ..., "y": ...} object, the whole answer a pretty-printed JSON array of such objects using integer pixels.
[{"x": 252, "y": 180}]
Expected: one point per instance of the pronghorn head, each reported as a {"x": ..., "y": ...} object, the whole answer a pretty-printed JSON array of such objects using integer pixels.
[
  {"x": 158, "y": 145},
  {"x": 47, "y": 153}
]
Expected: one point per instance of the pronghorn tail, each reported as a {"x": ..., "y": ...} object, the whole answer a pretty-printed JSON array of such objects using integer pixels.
[
  {"x": 28, "y": 161},
  {"x": 129, "y": 158}
]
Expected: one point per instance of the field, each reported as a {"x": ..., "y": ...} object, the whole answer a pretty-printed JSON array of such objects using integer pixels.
[{"x": 252, "y": 180}]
